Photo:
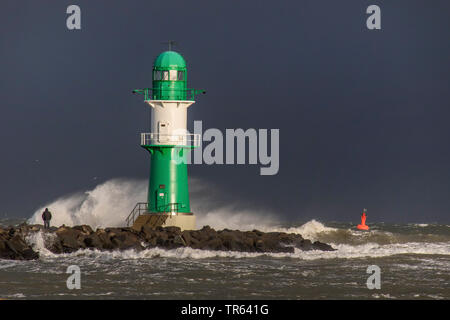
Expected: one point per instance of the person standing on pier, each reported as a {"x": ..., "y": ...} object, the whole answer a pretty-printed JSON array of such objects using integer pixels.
[{"x": 46, "y": 216}]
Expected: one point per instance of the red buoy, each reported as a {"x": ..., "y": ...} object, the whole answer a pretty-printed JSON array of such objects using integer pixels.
[{"x": 363, "y": 225}]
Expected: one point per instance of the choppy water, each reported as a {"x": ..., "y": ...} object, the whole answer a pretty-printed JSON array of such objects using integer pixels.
[{"x": 414, "y": 261}]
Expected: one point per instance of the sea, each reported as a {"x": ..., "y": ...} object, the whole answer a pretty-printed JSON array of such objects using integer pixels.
[{"x": 412, "y": 261}]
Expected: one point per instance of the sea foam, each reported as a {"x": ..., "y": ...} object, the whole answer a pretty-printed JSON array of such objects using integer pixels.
[{"x": 344, "y": 251}]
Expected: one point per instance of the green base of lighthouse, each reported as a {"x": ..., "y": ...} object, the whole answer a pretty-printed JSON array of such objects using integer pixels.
[{"x": 168, "y": 184}]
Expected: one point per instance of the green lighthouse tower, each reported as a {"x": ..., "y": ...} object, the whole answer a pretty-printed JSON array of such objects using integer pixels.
[{"x": 168, "y": 143}]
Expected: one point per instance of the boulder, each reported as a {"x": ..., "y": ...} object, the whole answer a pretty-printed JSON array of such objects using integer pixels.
[
  {"x": 126, "y": 240},
  {"x": 213, "y": 244},
  {"x": 204, "y": 234},
  {"x": 179, "y": 241},
  {"x": 105, "y": 240},
  {"x": 322, "y": 246},
  {"x": 69, "y": 239},
  {"x": 16, "y": 248},
  {"x": 148, "y": 233},
  {"x": 172, "y": 230},
  {"x": 189, "y": 240},
  {"x": 305, "y": 245},
  {"x": 84, "y": 229},
  {"x": 234, "y": 241},
  {"x": 93, "y": 241}
]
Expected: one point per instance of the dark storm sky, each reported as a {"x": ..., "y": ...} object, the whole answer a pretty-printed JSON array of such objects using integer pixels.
[{"x": 363, "y": 115}]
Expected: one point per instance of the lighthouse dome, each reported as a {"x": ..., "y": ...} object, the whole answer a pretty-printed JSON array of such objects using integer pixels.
[{"x": 169, "y": 60}]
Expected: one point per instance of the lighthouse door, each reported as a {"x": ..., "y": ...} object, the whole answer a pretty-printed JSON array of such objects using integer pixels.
[
  {"x": 161, "y": 200},
  {"x": 163, "y": 131}
]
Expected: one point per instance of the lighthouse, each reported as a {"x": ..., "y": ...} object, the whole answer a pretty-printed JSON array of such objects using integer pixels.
[{"x": 168, "y": 144}]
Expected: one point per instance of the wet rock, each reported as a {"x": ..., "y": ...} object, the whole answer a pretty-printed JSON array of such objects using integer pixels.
[
  {"x": 213, "y": 244},
  {"x": 305, "y": 245},
  {"x": 322, "y": 246},
  {"x": 93, "y": 241},
  {"x": 84, "y": 229},
  {"x": 69, "y": 239},
  {"x": 125, "y": 240},
  {"x": 234, "y": 241},
  {"x": 147, "y": 232},
  {"x": 204, "y": 234},
  {"x": 179, "y": 241},
  {"x": 189, "y": 240},
  {"x": 105, "y": 240},
  {"x": 15, "y": 248},
  {"x": 172, "y": 230}
]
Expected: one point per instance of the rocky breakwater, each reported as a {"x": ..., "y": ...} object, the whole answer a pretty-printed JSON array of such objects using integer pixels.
[{"x": 15, "y": 242}]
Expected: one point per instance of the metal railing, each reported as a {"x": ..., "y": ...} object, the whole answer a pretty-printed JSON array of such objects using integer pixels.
[
  {"x": 190, "y": 93},
  {"x": 141, "y": 207},
  {"x": 185, "y": 140},
  {"x": 170, "y": 208}
]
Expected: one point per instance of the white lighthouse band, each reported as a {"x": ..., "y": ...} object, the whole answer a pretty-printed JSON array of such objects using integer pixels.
[{"x": 169, "y": 124}]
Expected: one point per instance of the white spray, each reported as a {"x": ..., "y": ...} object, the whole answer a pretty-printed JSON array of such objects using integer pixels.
[{"x": 109, "y": 204}]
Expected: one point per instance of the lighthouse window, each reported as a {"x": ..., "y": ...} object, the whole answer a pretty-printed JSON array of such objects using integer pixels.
[
  {"x": 180, "y": 75},
  {"x": 157, "y": 75},
  {"x": 173, "y": 75},
  {"x": 165, "y": 75}
]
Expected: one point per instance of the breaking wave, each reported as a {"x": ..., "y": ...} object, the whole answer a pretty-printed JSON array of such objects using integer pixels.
[
  {"x": 40, "y": 241},
  {"x": 109, "y": 204},
  {"x": 312, "y": 230}
]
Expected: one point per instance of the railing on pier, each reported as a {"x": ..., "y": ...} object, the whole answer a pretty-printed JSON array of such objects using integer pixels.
[{"x": 142, "y": 208}]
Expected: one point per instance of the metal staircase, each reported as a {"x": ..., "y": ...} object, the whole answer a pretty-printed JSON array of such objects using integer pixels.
[
  {"x": 139, "y": 208},
  {"x": 142, "y": 208}
]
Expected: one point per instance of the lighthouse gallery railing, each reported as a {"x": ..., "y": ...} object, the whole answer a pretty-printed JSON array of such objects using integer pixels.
[
  {"x": 185, "y": 140},
  {"x": 147, "y": 92}
]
